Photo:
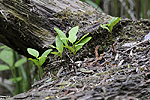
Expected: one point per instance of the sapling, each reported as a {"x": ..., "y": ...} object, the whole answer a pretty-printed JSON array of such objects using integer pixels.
[
  {"x": 110, "y": 26},
  {"x": 39, "y": 60},
  {"x": 72, "y": 38}
]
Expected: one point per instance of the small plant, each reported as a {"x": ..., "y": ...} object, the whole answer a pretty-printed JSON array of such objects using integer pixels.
[
  {"x": 39, "y": 60},
  {"x": 13, "y": 62},
  {"x": 72, "y": 38},
  {"x": 110, "y": 26}
]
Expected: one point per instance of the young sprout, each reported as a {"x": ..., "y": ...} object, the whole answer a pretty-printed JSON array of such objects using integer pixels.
[
  {"x": 75, "y": 46},
  {"x": 39, "y": 60},
  {"x": 110, "y": 26}
]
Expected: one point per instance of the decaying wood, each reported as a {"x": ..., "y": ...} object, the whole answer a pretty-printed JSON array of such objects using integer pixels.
[
  {"x": 24, "y": 25},
  {"x": 30, "y": 23}
]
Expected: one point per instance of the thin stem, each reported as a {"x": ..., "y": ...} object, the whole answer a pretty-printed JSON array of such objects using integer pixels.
[
  {"x": 14, "y": 72},
  {"x": 39, "y": 73},
  {"x": 74, "y": 63},
  {"x": 112, "y": 44},
  {"x": 69, "y": 57},
  {"x": 111, "y": 39},
  {"x": 28, "y": 74},
  {"x": 62, "y": 62},
  {"x": 74, "y": 60}
]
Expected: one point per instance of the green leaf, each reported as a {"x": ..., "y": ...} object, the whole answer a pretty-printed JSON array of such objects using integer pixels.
[
  {"x": 82, "y": 38},
  {"x": 42, "y": 60},
  {"x": 61, "y": 35},
  {"x": 17, "y": 79},
  {"x": 35, "y": 61},
  {"x": 33, "y": 52},
  {"x": 7, "y": 57},
  {"x": 94, "y": 4},
  {"x": 5, "y": 47},
  {"x": 113, "y": 22},
  {"x": 20, "y": 62},
  {"x": 59, "y": 44},
  {"x": 64, "y": 38},
  {"x": 2, "y": 47},
  {"x": 56, "y": 53},
  {"x": 79, "y": 46},
  {"x": 46, "y": 52},
  {"x": 72, "y": 34},
  {"x": 70, "y": 48},
  {"x": 4, "y": 67},
  {"x": 104, "y": 26},
  {"x": 8, "y": 87},
  {"x": 52, "y": 46}
]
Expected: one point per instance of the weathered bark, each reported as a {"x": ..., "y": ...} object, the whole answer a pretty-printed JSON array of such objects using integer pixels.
[{"x": 24, "y": 25}]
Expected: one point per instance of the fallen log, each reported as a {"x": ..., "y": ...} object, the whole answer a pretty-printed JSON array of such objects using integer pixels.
[
  {"x": 25, "y": 24},
  {"x": 30, "y": 23}
]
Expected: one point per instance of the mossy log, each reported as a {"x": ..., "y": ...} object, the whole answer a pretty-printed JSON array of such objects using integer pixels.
[
  {"x": 30, "y": 23},
  {"x": 25, "y": 24}
]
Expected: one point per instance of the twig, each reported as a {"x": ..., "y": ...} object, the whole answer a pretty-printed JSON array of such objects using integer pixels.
[
  {"x": 69, "y": 57},
  {"x": 96, "y": 51},
  {"x": 144, "y": 41},
  {"x": 104, "y": 79}
]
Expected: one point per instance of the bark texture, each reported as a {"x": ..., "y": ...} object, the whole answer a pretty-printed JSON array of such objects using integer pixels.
[{"x": 25, "y": 24}]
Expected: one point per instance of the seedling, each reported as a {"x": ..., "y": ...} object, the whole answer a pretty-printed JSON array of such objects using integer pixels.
[
  {"x": 110, "y": 26},
  {"x": 72, "y": 38},
  {"x": 39, "y": 60},
  {"x": 59, "y": 47}
]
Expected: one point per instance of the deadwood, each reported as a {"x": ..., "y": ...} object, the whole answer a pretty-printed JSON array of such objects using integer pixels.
[
  {"x": 30, "y": 23},
  {"x": 25, "y": 24}
]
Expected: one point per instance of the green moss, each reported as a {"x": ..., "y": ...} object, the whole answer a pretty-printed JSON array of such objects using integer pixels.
[{"x": 17, "y": 16}]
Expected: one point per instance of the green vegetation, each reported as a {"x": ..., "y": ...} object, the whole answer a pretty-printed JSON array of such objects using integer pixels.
[
  {"x": 94, "y": 4},
  {"x": 22, "y": 75},
  {"x": 14, "y": 62},
  {"x": 59, "y": 47},
  {"x": 39, "y": 60},
  {"x": 63, "y": 41},
  {"x": 123, "y": 8},
  {"x": 110, "y": 26}
]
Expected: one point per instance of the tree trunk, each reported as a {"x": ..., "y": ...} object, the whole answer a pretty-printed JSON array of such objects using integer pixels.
[{"x": 25, "y": 24}]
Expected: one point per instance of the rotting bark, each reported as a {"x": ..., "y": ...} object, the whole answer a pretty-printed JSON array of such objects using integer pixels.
[{"x": 24, "y": 25}]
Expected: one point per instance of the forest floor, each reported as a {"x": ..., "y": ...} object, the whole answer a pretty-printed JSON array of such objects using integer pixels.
[{"x": 122, "y": 73}]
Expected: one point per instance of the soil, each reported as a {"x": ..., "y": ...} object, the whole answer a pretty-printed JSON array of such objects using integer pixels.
[{"x": 122, "y": 73}]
